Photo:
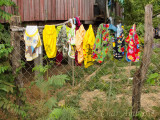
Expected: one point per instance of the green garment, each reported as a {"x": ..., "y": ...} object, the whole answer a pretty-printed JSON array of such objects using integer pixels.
[
  {"x": 59, "y": 28},
  {"x": 102, "y": 43}
]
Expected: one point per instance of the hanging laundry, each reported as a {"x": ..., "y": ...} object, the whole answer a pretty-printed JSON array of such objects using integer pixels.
[
  {"x": 74, "y": 21},
  {"x": 59, "y": 58},
  {"x": 102, "y": 43},
  {"x": 88, "y": 44},
  {"x": 79, "y": 43},
  {"x": 59, "y": 28},
  {"x": 133, "y": 51},
  {"x": 62, "y": 45},
  {"x": 71, "y": 40},
  {"x": 119, "y": 30},
  {"x": 78, "y": 24},
  {"x": 49, "y": 40},
  {"x": 112, "y": 27},
  {"x": 119, "y": 44},
  {"x": 32, "y": 43}
]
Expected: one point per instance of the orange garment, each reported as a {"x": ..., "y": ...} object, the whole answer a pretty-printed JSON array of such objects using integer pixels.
[{"x": 79, "y": 43}]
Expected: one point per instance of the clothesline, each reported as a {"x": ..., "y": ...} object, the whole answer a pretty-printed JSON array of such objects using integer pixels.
[{"x": 20, "y": 29}]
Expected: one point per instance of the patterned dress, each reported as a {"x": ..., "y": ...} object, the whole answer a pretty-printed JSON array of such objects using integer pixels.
[
  {"x": 32, "y": 43},
  {"x": 102, "y": 43},
  {"x": 119, "y": 44},
  {"x": 62, "y": 45},
  {"x": 133, "y": 51}
]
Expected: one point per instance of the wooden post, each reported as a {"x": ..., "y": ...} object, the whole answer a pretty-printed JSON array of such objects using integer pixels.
[
  {"x": 16, "y": 56},
  {"x": 141, "y": 73}
]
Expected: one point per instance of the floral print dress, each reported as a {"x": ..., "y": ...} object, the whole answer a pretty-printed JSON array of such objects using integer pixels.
[
  {"x": 119, "y": 44},
  {"x": 133, "y": 51},
  {"x": 62, "y": 45},
  {"x": 102, "y": 43}
]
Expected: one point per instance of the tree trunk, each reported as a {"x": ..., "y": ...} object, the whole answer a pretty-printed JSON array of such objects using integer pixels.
[{"x": 140, "y": 75}]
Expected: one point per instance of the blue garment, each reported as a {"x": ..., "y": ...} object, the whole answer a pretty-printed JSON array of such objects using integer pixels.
[
  {"x": 109, "y": 3},
  {"x": 119, "y": 30},
  {"x": 128, "y": 60},
  {"x": 112, "y": 27}
]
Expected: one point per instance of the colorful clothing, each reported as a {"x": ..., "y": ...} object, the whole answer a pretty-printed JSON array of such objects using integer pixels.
[
  {"x": 88, "y": 44},
  {"x": 78, "y": 24},
  {"x": 119, "y": 30},
  {"x": 119, "y": 45},
  {"x": 112, "y": 27},
  {"x": 49, "y": 40},
  {"x": 102, "y": 43},
  {"x": 58, "y": 29},
  {"x": 32, "y": 43},
  {"x": 62, "y": 45},
  {"x": 79, "y": 43},
  {"x": 59, "y": 58},
  {"x": 133, "y": 52},
  {"x": 71, "y": 40}
]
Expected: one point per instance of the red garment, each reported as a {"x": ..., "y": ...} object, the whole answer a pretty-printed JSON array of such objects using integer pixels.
[
  {"x": 76, "y": 59},
  {"x": 133, "y": 52},
  {"x": 59, "y": 58}
]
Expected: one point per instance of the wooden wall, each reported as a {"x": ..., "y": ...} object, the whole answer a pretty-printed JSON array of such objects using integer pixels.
[{"x": 42, "y": 10}]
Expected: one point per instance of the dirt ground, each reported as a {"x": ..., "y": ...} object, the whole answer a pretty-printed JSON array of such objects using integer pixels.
[{"x": 87, "y": 99}]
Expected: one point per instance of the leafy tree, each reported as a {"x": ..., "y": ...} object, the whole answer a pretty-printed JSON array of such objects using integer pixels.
[
  {"x": 7, "y": 86},
  {"x": 134, "y": 11},
  {"x": 4, "y": 15}
]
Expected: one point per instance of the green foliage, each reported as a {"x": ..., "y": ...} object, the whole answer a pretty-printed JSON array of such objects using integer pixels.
[
  {"x": 4, "y": 15},
  {"x": 50, "y": 86},
  {"x": 135, "y": 10},
  {"x": 7, "y": 3},
  {"x": 8, "y": 90},
  {"x": 41, "y": 69},
  {"x": 9, "y": 106},
  {"x": 63, "y": 114},
  {"x": 58, "y": 81},
  {"x": 53, "y": 83},
  {"x": 153, "y": 78},
  {"x": 52, "y": 102}
]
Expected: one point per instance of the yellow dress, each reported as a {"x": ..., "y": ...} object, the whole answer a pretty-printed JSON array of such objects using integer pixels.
[
  {"x": 49, "y": 40},
  {"x": 88, "y": 44}
]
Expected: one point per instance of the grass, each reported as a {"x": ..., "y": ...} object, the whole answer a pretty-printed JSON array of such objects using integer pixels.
[{"x": 120, "y": 109}]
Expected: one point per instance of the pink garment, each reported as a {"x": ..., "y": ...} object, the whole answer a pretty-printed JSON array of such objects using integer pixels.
[
  {"x": 59, "y": 58},
  {"x": 78, "y": 24}
]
